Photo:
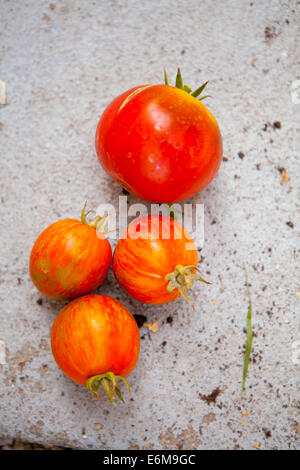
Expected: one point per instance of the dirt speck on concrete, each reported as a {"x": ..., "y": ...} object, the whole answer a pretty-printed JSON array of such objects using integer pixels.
[
  {"x": 46, "y": 18},
  {"x": 267, "y": 433},
  {"x": 187, "y": 440},
  {"x": 212, "y": 397},
  {"x": 133, "y": 446},
  {"x": 295, "y": 427},
  {"x": 98, "y": 426},
  {"x": 26, "y": 354},
  {"x": 17, "y": 363},
  {"x": 148, "y": 446},
  {"x": 270, "y": 33},
  {"x": 208, "y": 419},
  {"x": 43, "y": 369},
  {"x": 44, "y": 345}
]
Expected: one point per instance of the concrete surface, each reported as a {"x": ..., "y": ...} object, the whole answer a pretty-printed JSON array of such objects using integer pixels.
[{"x": 62, "y": 63}]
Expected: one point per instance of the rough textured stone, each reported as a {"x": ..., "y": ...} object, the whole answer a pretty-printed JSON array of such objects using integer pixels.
[{"x": 62, "y": 64}]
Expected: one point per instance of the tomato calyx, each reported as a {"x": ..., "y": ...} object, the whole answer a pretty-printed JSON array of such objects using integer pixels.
[
  {"x": 179, "y": 84},
  {"x": 182, "y": 278},
  {"x": 97, "y": 223},
  {"x": 108, "y": 381}
]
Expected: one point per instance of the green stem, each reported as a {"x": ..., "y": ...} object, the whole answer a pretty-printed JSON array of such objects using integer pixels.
[
  {"x": 249, "y": 333},
  {"x": 108, "y": 381}
]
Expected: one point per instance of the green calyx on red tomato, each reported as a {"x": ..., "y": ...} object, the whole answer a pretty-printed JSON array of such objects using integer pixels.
[{"x": 181, "y": 86}]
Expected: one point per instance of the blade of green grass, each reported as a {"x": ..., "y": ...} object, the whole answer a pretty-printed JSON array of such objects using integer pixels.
[{"x": 249, "y": 333}]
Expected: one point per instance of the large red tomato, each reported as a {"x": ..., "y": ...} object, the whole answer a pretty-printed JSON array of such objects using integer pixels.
[
  {"x": 156, "y": 260},
  {"x": 159, "y": 142},
  {"x": 95, "y": 341},
  {"x": 70, "y": 258}
]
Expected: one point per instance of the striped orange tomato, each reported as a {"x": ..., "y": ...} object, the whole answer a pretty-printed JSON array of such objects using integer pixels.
[
  {"x": 70, "y": 258},
  {"x": 95, "y": 341},
  {"x": 156, "y": 260}
]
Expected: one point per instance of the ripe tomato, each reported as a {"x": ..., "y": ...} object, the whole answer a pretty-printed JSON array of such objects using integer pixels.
[
  {"x": 70, "y": 258},
  {"x": 95, "y": 341},
  {"x": 152, "y": 268},
  {"x": 159, "y": 142}
]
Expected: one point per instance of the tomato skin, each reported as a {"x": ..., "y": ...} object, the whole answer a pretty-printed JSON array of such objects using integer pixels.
[
  {"x": 159, "y": 143},
  {"x": 140, "y": 265},
  {"x": 68, "y": 259},
  {"x": 95, "y": 334}
]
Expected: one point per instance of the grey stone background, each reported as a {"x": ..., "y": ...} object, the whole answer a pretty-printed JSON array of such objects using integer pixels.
[{"x": 63, "y": 62}]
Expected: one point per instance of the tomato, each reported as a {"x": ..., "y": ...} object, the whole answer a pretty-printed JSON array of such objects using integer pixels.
[
  {"x": 95, "y": 341},
  {"x": 153, "y": 268},
  {"x": 159, "y": 142},
  {"x": 70, "y": 258}
]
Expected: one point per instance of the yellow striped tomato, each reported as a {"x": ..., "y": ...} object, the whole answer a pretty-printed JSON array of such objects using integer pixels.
[
  {"x": 156, "y": 260},
  {"x": 95, "y": 341},
  {"x": 70, "y": 258}
]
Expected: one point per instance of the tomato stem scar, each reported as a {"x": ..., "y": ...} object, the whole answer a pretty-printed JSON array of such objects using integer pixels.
[{"x": 182, "y": 278}]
